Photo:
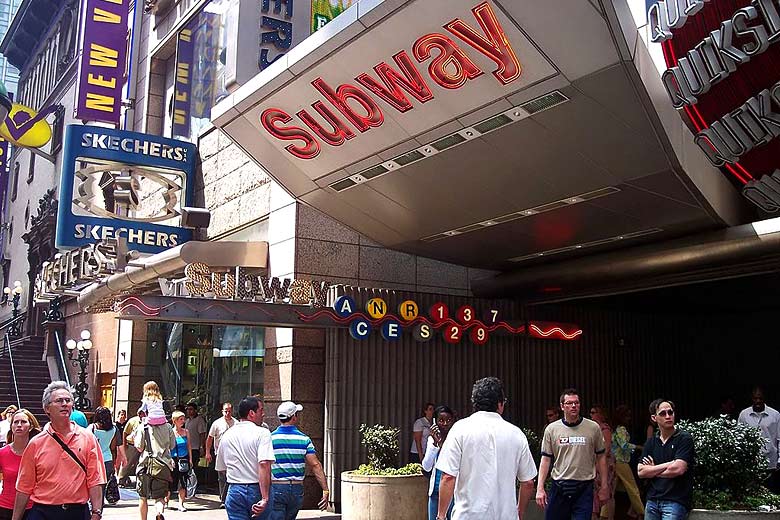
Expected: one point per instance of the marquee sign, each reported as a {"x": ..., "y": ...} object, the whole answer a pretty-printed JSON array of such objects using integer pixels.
[
  {"x": 73, "y": 268},
  {"x": 724, "y": 76},
  {"x": 403, "y": 77},
  {"x": 103, "y": 60},
  {"x": 124, "y": 184}
]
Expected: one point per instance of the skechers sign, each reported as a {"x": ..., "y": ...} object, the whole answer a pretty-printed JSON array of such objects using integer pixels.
[{"x": 118, "y": 184}]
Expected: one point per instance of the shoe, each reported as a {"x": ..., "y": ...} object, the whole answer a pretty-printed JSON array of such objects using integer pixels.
[
  {"x": 159, "y": 517},
  {"x": 222, "y": 506},
  {"x": 181, "y": 508}
]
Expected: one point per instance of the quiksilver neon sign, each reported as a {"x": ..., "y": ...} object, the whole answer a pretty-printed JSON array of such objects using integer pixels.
[{"x": 450, "y": 67}]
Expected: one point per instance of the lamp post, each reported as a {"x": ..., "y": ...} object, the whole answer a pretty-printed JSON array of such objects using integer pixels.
[
  {"x": 78, "y": 354},
  {"x": 13, "y": 297}
]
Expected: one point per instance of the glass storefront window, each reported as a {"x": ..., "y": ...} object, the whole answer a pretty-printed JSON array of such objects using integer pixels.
[
  {"x": 200, "y": 69},
  {"x": 210, "y": 364}
]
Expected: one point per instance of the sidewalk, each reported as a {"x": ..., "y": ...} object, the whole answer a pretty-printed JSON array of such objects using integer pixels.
[{"x": 202, "y": 507}]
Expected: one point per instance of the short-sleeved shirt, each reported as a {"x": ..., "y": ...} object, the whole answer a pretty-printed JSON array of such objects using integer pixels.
[
  {"x": 768, "y": 421},
  {"x": 104, "y": 438},
  {"x": 573, "y": 448},
  {"x": 241, "y": 449},
  {"x": 196, "y": 430},
  {"x": 291, "y": 446},
  {"x": 677, "y": 489},
  {"x": 487, "y": 456},
  {"x": 218, "y": 429},
  {"x": 130, "y": 427},
  {"x": 44, "y": 463},
  {"x": 9, "y": 467},
  {"x": 421, "y": 425},
  {"x": 162, "y": 440}
]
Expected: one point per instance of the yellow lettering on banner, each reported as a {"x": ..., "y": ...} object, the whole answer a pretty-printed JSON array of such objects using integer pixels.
[
  {"x": 101, "y": 15},
  {"x": 100, "y": 81},
  {"x": 102, "y": 56},
  {"x": 117, "y": 2},
  {"x": 183, "y": 73},
  {"x": 179, "y": 116},
  {"x": 100, "y": 102},
  {"x": 186, "y": 35},
  {"x": 181, "y": 96}
]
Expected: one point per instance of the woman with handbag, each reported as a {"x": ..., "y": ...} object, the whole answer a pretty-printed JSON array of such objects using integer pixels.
[
  {"x": 182, "y": 459},
  {"x": 104, "y": 430}
]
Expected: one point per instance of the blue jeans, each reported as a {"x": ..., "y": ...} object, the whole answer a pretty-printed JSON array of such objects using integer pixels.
[
  {"x": 563, "y": 506},
  {"x": 433, "y": 507},
  {"x": 665, "y": 510},
  {"x": 239, "y": 501},
  {"x": 288, "y": 499}
]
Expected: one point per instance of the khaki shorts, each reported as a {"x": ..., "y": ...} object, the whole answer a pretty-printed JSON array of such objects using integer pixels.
[{"x": 150, "y": 487}]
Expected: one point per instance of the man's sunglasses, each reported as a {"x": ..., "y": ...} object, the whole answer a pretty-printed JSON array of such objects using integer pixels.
[{"x": 665, "y": 413}]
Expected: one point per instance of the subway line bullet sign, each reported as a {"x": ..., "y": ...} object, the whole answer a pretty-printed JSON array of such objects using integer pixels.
[{"x": 103, "y": 60}]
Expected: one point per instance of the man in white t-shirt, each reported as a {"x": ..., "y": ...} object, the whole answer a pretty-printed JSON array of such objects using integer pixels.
[
  {"x": 245, "y": 454},
  {"x": 217, "y": 430},
  {"x": 483, "y": 458}
]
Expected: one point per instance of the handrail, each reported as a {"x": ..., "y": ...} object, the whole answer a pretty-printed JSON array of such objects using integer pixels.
[
  {"x": 13, "y": 368},
  {"x": 62, "y": 358},
  {"x": 12, "y": 329}
]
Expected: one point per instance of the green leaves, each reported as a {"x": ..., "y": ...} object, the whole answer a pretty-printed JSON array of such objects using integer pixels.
[
  {"x": 729, "y": 467},
  {"x": 382, "y": 445}
]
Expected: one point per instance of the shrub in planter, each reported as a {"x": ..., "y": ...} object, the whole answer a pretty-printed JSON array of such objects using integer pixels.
[
  {"x": 729, "y": 468},
  {"x": 382, "y": 445}
]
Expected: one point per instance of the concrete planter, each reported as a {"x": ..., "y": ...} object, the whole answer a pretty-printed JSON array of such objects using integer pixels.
[
  {"x": 709, "y": 514},
  {"x": 367, "y": 497}
]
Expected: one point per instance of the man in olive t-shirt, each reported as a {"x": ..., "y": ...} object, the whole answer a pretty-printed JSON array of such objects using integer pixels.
[{"x": 572, "y": 446}]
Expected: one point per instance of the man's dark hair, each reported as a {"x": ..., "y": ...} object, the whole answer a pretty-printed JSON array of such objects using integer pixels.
[
  {"x": 758, "y": 388},
  {"x": 569, "y": 391},
  {"x": 486, "y": 394},
  {"x": 247, "y": 404},
  {"x": 657, "y": 402}
]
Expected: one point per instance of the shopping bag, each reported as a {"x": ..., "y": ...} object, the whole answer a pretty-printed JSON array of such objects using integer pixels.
[{"x": 192, "y": 484}]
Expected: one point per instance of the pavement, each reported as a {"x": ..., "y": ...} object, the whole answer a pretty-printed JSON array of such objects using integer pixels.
[{"x": 201, "y": 507}]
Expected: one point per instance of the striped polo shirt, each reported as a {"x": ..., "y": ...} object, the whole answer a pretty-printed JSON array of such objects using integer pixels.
[{"x": 290, "y": 448}]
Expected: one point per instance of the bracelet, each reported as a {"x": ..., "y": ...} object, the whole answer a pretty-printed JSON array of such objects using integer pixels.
[{"x": 325, "y": 491}]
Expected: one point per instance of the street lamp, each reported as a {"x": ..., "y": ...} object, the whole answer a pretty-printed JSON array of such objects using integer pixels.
[
  {"x": 13, "y": 297},
  {"x": 78, "y": 354}
]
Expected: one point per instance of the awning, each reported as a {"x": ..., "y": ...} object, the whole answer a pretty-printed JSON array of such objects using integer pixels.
[{"x": 100, "y": 296}]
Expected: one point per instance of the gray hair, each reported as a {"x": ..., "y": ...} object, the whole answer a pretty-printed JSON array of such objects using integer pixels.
[{"x": 51, "y": 388}]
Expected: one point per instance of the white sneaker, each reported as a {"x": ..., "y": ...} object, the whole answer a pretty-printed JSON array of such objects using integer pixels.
[{"x": 181, "y": 508}]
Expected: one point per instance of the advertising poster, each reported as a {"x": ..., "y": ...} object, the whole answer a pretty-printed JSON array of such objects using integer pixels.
[{"x": 323, "y": 11}]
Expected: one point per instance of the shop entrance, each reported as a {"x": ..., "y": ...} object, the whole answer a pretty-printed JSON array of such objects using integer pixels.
[{"x": 205, "y": 364}]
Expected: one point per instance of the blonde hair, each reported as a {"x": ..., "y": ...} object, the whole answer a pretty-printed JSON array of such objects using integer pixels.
[
  {"x": 152, "y": 391},
  {"x": 9, "y": 409},
  {"x": 35, "y": 427},
  {"x": 176, "y": 415}
]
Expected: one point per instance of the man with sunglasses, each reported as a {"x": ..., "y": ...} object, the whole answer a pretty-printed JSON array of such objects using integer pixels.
[
  {"x": 571, "y": 448},
  {"x": 667, "y": 462}
]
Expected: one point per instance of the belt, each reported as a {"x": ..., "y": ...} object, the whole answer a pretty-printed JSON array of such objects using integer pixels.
[
  {"x": 61, "y": 506},
  {"x": 244, "y": 483},
  {"x": 291, "y": 482}
]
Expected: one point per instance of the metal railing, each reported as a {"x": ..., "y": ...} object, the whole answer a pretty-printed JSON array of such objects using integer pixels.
[{"x": 13, "y": 330}]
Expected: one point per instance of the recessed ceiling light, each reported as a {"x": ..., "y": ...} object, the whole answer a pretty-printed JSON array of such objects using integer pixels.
[
  {"x": 620, "y": 237},
  {"x": 452, "y": 233},
  {"x": 488, "y": 223},
  {"x": 529, "y": 212},
  {"x": 574, "y": 200}
]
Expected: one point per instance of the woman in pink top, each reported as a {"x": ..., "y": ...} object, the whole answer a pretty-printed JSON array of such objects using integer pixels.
[{"x": 24, "y": 426}]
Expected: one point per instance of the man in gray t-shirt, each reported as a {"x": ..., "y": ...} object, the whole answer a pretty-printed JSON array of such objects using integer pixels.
[{"x": 572, "y": 446}]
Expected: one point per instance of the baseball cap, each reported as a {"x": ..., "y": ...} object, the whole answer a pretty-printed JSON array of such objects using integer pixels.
[{"x": 287, "y": 409}]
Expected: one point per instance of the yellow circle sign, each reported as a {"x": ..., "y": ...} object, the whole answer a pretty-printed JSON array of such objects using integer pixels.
[
  {"x": 376, "y": 308},
  {"x": 25, "y": 127},
  {"x": 408, "y": 310}
]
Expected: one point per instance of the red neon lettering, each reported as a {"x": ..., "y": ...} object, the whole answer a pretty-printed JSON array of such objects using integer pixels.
[
  {"x": 341, "y": 131},
  {"x": 346, "y": 92},
  {"x": 450, "y": 57},
  {"x": 271, "y": 116},
  {"x": 410, "y": 80},
  {"x": 496, "y": 46}
]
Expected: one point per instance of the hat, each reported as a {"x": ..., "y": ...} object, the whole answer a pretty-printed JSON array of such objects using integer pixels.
[{"x": 287, "y": 409}]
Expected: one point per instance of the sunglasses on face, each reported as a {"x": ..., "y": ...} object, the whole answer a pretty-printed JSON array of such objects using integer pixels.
[{"x": 666, "y": 413}]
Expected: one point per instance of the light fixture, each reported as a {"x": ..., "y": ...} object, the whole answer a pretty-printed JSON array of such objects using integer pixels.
[
  {"x": 71, "y": 344},
  {"x": 85, "y": 334}
]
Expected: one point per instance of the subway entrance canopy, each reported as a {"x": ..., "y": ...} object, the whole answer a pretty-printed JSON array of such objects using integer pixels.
[{"x": 494, "y": 134}]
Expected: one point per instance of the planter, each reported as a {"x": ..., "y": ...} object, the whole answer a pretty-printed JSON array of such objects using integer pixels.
[
  {"x": 368, "y": 497},
  {"x": 710, "y": 514}
]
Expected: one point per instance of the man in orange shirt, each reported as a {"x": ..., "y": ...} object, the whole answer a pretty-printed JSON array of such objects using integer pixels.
[{"x": 62, "y": 468}]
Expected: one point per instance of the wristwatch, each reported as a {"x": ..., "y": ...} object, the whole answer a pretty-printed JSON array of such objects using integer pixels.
[{"x": 98, "y": 512}]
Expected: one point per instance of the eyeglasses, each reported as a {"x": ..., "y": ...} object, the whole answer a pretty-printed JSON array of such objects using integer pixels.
[
  {"x": 571, "y": 403},
  {"x": 665, "y": 413},
  {"x": 62, "y": 400}
]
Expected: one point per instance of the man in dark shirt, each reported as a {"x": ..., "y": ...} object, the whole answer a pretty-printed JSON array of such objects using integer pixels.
[{"x": 667, "y": 460}]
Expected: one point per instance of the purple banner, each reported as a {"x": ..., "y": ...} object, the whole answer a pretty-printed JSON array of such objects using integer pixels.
[
  {"x": 182, "y": 99},
  {"x": 103, "y": 60}
]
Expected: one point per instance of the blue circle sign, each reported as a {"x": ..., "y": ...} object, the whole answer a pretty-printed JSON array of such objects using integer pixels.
[
  {"x": 344, "y": 306},
  {"x": 391, "y": 330},
  {"x": 360, "y": 329}
]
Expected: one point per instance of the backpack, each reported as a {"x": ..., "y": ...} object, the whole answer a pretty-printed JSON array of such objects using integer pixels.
[{"x": 153, "y": 474}]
